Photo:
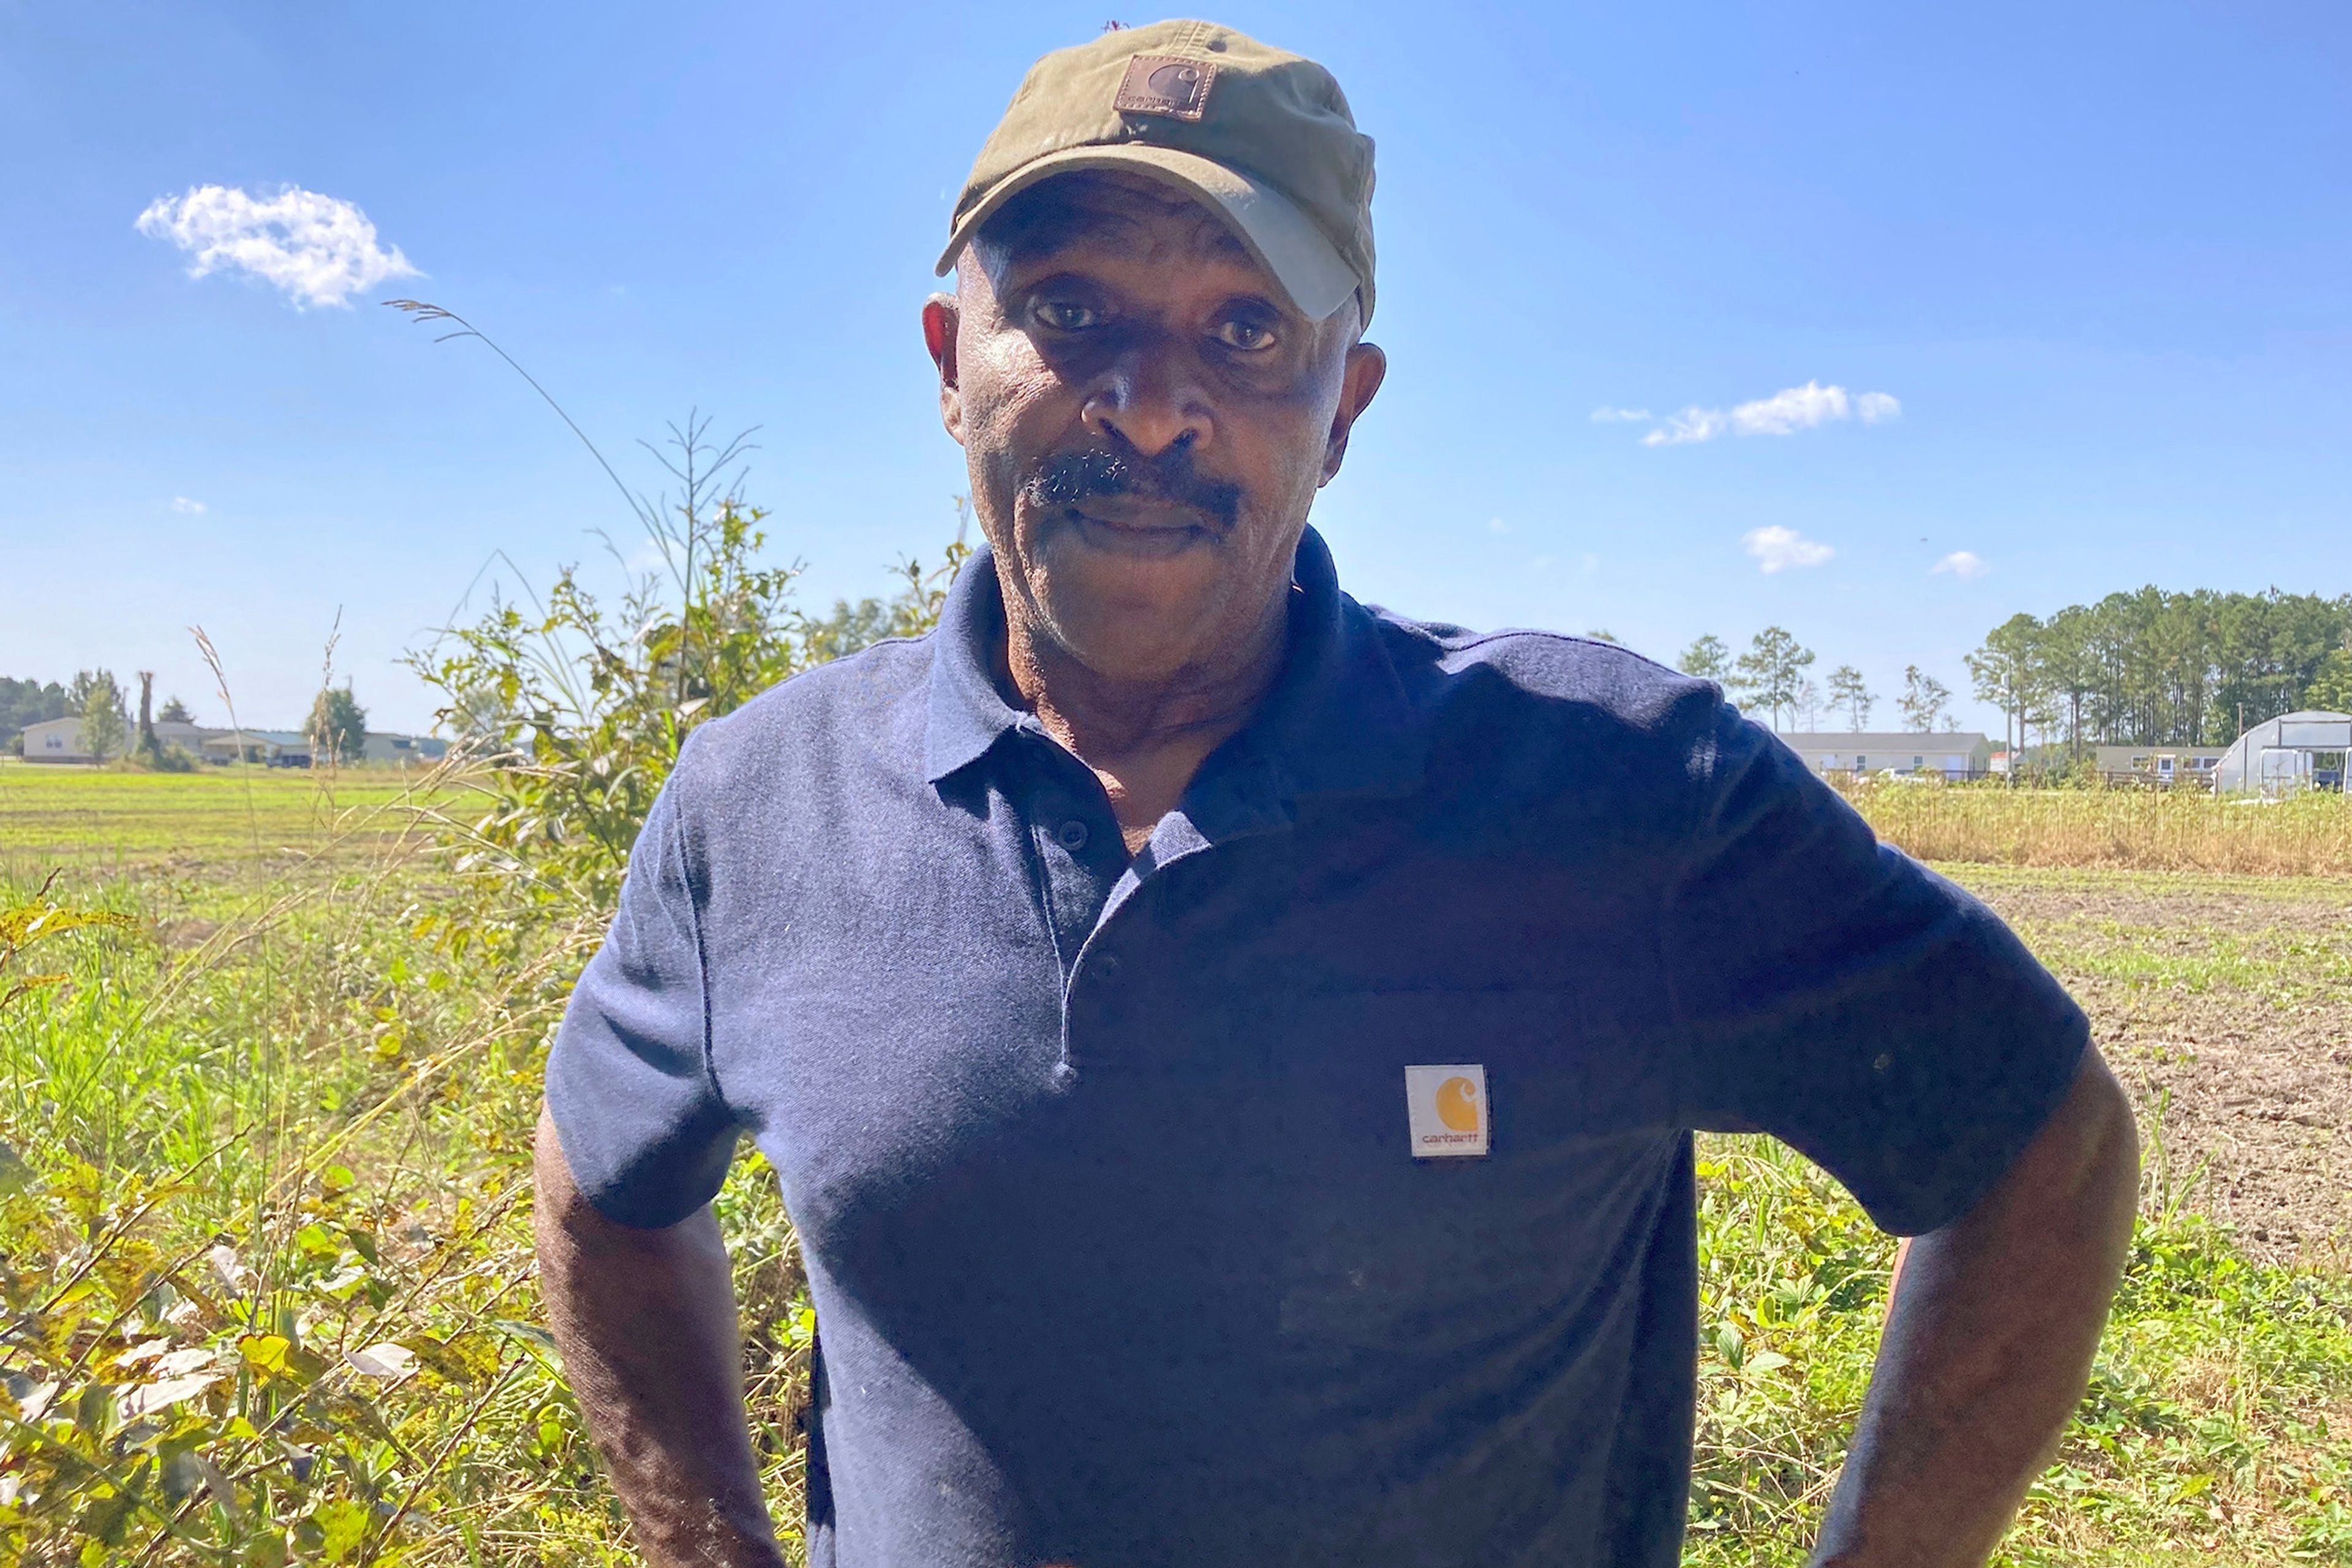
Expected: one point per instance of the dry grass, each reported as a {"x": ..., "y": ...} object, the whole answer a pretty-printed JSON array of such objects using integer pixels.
[{"x": 2144, "y": 830}]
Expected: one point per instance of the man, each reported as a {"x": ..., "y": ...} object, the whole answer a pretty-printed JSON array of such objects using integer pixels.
[{"x": 1232, "y": 1056}]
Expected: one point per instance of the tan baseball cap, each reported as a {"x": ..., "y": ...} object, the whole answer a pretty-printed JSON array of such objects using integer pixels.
[{"x": 1261, "y": 136}]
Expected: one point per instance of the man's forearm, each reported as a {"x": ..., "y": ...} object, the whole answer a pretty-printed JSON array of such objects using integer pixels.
[
  {"x": 646, "y": 1322},
  {"x": 1987, "y": 1346}
]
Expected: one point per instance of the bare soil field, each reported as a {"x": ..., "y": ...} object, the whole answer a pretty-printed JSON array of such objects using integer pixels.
[{"x": 2225, "y": 1005}]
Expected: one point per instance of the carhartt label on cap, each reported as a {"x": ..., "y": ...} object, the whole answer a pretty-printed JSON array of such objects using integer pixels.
[
  {"x": 1158, "y": 84},
  {"x": 1446, "y": 1111}
]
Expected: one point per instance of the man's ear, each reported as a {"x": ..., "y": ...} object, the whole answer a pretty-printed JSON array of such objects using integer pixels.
[
  {"x": 940, "y": 314},
  {"x": 1367, "y": 368}
]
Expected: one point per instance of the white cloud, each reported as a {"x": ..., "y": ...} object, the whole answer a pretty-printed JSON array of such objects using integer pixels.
[
  {"x": 1784, "y": 413},
  {"x": 1776, "y": 549},
  {"x": 1620, "y": 415},
  {"x": 1496, "y": 525},
  {"x": 1690, "y": 424},
  {"x": 1963, "y": 564},
  {"x": 182, "y": 504},
  {"x": 319, "y": 250}
]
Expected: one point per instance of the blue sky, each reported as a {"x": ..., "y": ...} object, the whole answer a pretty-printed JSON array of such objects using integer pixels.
[{"x": 2099, "y": 255}]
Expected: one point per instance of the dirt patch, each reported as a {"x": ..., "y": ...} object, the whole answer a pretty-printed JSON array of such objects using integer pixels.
[
  {"x": 2225, "y": 1006},
  {"x": 185, "y": 935}
]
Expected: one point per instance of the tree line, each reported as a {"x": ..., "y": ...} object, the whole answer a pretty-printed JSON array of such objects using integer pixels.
[
  {"x": 2158, "y": 668},
  {"x": 23, "y": 703},
  {"x": 2143, "y": 668}
]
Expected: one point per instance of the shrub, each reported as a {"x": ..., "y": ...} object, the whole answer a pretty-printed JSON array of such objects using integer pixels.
[{"x": 576, "y": 709}]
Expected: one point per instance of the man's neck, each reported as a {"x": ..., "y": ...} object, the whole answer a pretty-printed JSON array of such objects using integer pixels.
[{"x": 1145, "y": 740}]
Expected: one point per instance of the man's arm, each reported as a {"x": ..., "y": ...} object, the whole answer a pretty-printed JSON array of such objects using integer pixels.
[
  {"x": 1987, "y": 1345},
  {"x": 646, "y": 1322}
]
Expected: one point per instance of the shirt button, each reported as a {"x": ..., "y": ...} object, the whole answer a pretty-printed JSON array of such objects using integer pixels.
[{"x": 1072, "y": 835}]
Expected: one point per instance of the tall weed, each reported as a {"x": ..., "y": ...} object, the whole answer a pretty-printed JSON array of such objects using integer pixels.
[{"x": 2154, "y": 830}]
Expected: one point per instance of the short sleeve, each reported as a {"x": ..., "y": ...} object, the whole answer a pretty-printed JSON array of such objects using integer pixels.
[
  {"x": 1836, "y": 994},
  {"x": 628, "y": 1081}
]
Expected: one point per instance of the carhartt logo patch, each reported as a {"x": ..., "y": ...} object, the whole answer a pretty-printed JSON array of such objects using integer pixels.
[
  {"x": 1158, "y": 84},
  {"x": 1446, "y": 1111}
]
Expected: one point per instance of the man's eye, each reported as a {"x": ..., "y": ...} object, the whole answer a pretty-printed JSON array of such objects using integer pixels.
[
  {"x": 1065, "y": 315},
  {"x": 1247, "y": 336}
]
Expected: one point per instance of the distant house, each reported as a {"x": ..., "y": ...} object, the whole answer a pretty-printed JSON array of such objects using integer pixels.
[
  {"x": 54, "y": 741},
  {"x": 2162, "y": 765},
  {"x": 282, "y": 747},
  {"x": 60, "y": 740},
  {"x": 1954, "y": 755},
  {"x": 404, "y": 750}
]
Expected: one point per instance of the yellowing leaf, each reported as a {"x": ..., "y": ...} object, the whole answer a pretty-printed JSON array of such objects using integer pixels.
[
  {"x": 29, "y": 924},
  {"x": 342, "y": 1525},
  {"x": 465, "y": 1359},
  {"x": 265, "y": 1352}
]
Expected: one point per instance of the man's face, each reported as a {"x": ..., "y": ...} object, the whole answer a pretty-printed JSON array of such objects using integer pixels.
[{"x": 1146, "y": 418}]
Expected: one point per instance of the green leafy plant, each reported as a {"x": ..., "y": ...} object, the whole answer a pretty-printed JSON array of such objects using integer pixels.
[{"x": 576, "y": 708}]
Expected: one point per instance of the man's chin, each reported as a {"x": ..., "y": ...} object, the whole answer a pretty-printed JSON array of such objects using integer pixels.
[
  {"x": 1130, "y": 603},
  {"x": 1138, "y": 637}
]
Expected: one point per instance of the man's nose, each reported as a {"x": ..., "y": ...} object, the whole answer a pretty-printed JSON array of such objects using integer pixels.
[{"x": 1150, "y": 398}]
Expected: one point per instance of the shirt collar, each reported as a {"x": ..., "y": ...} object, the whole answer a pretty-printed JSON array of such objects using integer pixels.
[
  {"x": 968, "y": 713},
  {"x": 1337, "y": 721}
]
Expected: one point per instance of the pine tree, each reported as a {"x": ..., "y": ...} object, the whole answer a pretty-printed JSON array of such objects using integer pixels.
[
  {"x": 1925, "y": 701},
  {"x": 1771, "y": 668},
  {"x": 1849, "y": 693},
  {"x": 1707, "y": 659}
]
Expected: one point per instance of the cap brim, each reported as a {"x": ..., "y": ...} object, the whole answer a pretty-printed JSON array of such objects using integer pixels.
[{"x": 1283, "y": 239}]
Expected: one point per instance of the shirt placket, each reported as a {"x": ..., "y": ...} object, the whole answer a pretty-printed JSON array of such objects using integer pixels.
[
  {"x": 1102, "y": 988},
  {"x": 1075, "y": 839}
]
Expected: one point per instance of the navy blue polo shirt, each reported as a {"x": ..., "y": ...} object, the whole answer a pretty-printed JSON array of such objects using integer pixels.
[{"x": 1313, "y": 1186}]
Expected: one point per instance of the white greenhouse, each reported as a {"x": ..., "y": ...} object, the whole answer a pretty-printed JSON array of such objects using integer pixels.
[{"x": 2287, "y": 756}]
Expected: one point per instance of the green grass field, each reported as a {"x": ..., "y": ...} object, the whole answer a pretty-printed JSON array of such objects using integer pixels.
[
  {"x": 114, "y": 823},
  {"x": 264, "y": 1213}
]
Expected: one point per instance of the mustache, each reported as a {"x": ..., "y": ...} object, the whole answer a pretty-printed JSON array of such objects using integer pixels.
[{"x": 1067, "y": 478}]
